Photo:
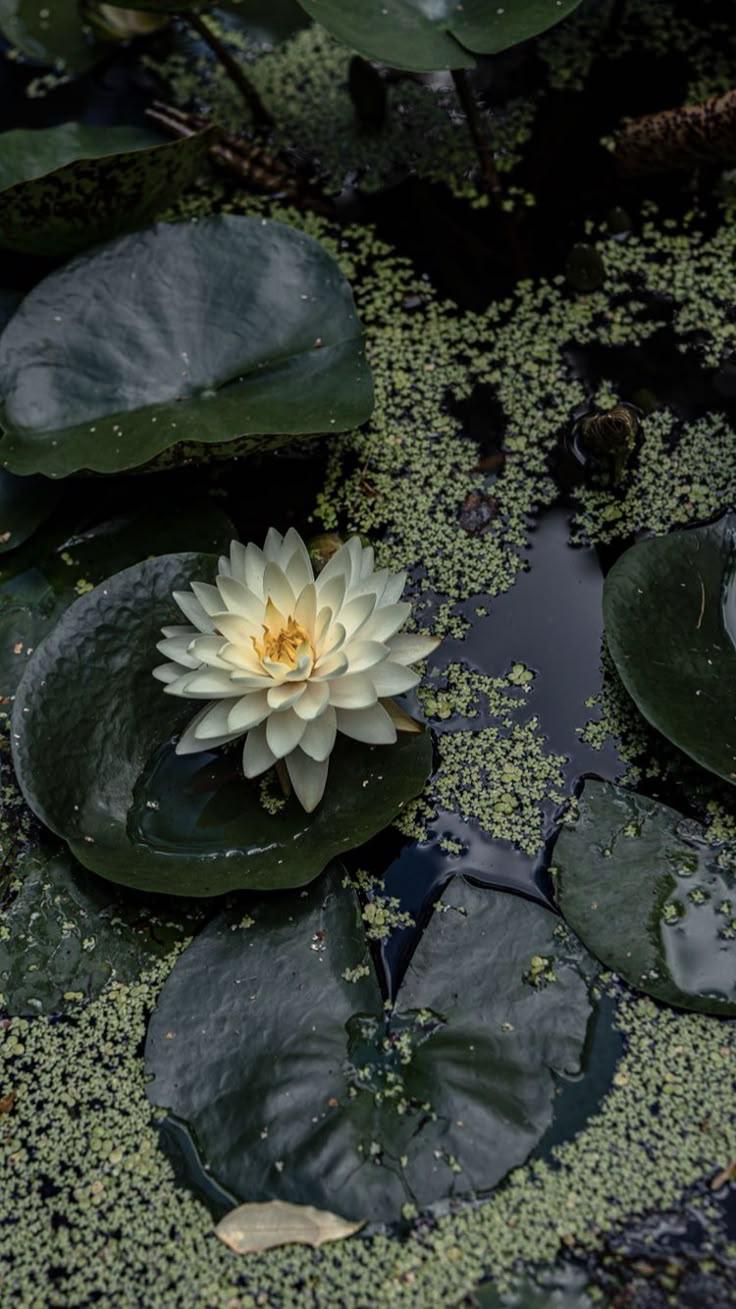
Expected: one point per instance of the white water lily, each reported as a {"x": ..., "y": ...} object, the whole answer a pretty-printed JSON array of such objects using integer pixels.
[{"x": 292, "y": 660}]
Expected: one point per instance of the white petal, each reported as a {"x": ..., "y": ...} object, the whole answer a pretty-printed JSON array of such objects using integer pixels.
[
  {"x": 286, "y": 695},
  {"x": 355, "y": 613},
  {"x": 333, "y": 665},
  {"x": 276, "y": 587},
  {"x": 409, "y": 649},
  {"x": 177, "y": 648},
  {"x": 373, "y": 585},
  {"x": 308, "y": 779},
  {"x": 298, "y": 565},
  {"x": 393, "y": 679},
  {"x": 193, "y": 610},
  {"x": 372, "y": 725},
  {"x": 237, "y": 599},
  {"x": 322, "y": 625},
  {"x": 248, "y": 712},
  {"x": 334, "y": 640},
  {"x": 284, "y": 731},
  {"x": 332, "y": 594},
  {"x": 244, "y": 679},
  {"x": 272, "y": 545},
  {"x": 256, "y": 755},
  {"x": 208, "y": 596},
  {"x": 213, "y": 721},
  {"x": 394, "y": 588},
  {"x": 223, "y": 566},
  {"x": 170, "y": 672},
  {"x": 255, "y": 563},
  {"x": 237, "y": 561},
  {"x": 238, "y": 630},
  {"x": 207, "y": 650},
  {"x": 314, "y": 701},
  {"x": 319, "y": 736},
  {"x": 305, "y": 609},
  {"x": 338, "y": 566},
  {"x": 368, "y": 562},
  {"x": 190, "y": 743},
  {"x": 181, "y": 630},
  {"x": 385, "y": 622},
  {"x": 355, "y": 691},
  {"x": 365, "y": 654},
  {"x": 209, "y": 683}
]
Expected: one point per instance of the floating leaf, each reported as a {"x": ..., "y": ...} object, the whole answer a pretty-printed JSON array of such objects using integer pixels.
[
  {"x": 67, "y": 934},
  {"x": 669, "y": 606},
  {"x": 52, "y": 32},
  {"x": 271, "y": 1040},
  {"x": 648, "y": 896},
  {"x": 65, "y": 188},
  {"x": 254, "y": 1227},
  {"x": 25, "y": 503},
  {"x": 40, "y": 582},
  {"x": 444, "y": 34},
  {"x": 194, "y": 333},
  {"x": 134, "y": 811}
]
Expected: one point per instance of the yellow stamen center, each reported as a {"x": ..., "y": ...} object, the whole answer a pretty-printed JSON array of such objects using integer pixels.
[{"x": 281, "y": 645}]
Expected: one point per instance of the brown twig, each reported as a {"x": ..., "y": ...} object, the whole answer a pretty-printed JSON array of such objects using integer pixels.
[
  {"x": 233, "y": 68},
  {"x": 679, "y": 139}
]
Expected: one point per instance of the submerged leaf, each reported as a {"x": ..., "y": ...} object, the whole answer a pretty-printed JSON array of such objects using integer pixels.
[
  {"x": 190, "y": 335},
  {"x": 52, "y": 32},
  {"x": 650, "y": 898},
  {"x": 25, "y": 503},
  {"x": 253, "y": 1227}
]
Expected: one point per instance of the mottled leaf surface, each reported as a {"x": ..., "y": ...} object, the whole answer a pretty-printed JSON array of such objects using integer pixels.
[
  {"x": 272, "y": 1041},
  {"x": 186, "y": 334},
  {"x": 65, "y": 188},
  {"x": 650, "y": 898},
  {"x": 669, "y": 605},
  {"x": 429, "y": 34}
]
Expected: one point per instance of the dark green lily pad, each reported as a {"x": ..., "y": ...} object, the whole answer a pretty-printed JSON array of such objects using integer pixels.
[
  {"x": 271, "y": 1041},
  {"x": 189, "y": 335},
  {"x": 446, "y": 34},
  {"x": 667, "y": 607},
  {"x": 52, "y": 32},
  {"x": 67, "y": 934},
  {"x": 39, "y": 583},
  {"x": 68, "y": 187},
  {"x": 25, "y": 503},
  {"x": 648, "y": 896},
  {"x": 133, "y": 811}
]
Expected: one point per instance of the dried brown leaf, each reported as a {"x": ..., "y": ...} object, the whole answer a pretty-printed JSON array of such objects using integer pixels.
[{"x": 254, "y": 1227}]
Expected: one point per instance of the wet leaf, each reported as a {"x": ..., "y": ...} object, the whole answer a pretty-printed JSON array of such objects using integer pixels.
[
  {"x": 272, "y": 1042},
  {"x": 53, "y": 32},
  {"x": 648, "y": 896},
  {"x": 415, "y": 35},
  {"x": 189, "y": 335},
  {"x": 670, "y": 614},
  {"x": 254, "y": 1227},
  {"x": 135, "y": 812},
  {"x": 68, "y": 187},
  {"x": 38, "y": 583},
  {"x": 25, "y": 503}
]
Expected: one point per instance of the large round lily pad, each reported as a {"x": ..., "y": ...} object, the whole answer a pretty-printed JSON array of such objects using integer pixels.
[
  {"x": 648, "y": 896},
  {"x": 667, "y": 603},
  {"x": 189, "y": 335},
  {"x": 272, "y": 1041},
  {"x": 39, "y": 582},
  {"x": 428, "y": 34},
  {"x": 65, "y": 188},
  {"x": 134, "y": 811},
  {"x": 53, "y": 32}
]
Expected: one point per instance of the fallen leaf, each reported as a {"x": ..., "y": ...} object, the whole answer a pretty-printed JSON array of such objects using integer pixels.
[
  {"x": 254, "y": 1227},
  {"x": 726, "y": 1175},
  {"x": 7, "y": 1102}
]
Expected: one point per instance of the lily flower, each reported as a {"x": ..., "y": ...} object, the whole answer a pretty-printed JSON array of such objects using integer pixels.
[{"x": 290, "y": 660}]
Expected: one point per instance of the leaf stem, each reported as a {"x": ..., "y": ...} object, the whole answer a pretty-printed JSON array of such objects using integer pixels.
[{"x": 233, "y": 68}]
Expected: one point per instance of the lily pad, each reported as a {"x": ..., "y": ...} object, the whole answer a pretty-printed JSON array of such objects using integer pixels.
[
  {"x": 39, "y": 583},
  {"x": 134, "y": 811},
  {"x": 65, "y": 188},
  {"x": 53, "y": 32},
  {"x": 189, "y": 335},
  {"x": 271, "y": 1040},
  {"x": 650, "y": 898},
  {"x": 25, "y": 503},
  {"x": 421, "y": 35},
  {"x": 668, "y": 604},
  {"x": 67, "y": 934}
]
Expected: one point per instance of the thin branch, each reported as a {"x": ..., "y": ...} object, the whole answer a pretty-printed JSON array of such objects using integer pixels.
[{"x": 233, "y": 68}]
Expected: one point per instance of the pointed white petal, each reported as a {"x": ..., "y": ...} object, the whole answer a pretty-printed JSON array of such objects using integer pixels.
[
  {"x": 319, "y": 736},
  {"x": 272, "y": 545},
  {"x": 334, "y": 640},
  {"x": 355, "y": 614},
  {"x": 333, "y": 665},
  {"x": 238, "y": 630},
  {"x": 213, "y": 721},
  {"x": 332, "y": 595},
  {"x": 248, "y": 712},
  {"x": 365, "y": 654},
  {"x": 223, "y": 566},
  {"x": 338, "y": 566},
  {"x": 367, "y": 562},
  {"x": 237, "y": 599},
  {"x": 373, "y": 585},
  {"x": 284, "y": 731},
  {"x": 207, "y": 650},
  {"x": 181, "y": 630},
  {"x": 256, "y": 755},
  {"x": 385, "y": 622},
  {"x": 314, "y": 701},
  {"x": 322, "y": 625},
  {"x": 208, "y": 596},
  {"x": 355, "y": 691},
  {"x": 372, "y": 726},
  {"x": 168, "y": 672},
  {"x": 410, "y": 649},
  {"x": 255, "y": 563},
  {"x": 286, "y": 695},
  {"x": 237, "y": 561},
  {"x": 193, "y": 610},
  {"x": 209, "y": 683},
  {"x": 298, "y": 565},
  {"x": 308, "y": 779},
  {"x": 305, "y": 609},
  {"x": 276, "y": 587},
  {"x": 394, "y": 588},
  {"x": 177, "y": 648},
  {"x": 190, "y": 743},
  {"x": 393, "y": 679}
]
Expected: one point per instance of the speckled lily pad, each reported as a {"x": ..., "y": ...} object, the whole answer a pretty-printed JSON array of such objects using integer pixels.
[
  {"x": 132, "y": 810},
  {"x": 445, "y": 34},
  {"x": 67, "y": 187},
  {"x": 648, "y": 896},
  {"x": 670, "y": 615},
  {"x": 189, "y": 334},
  {"x": 300, "y": 1087},
  {"x": 52, "y": 32}
]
